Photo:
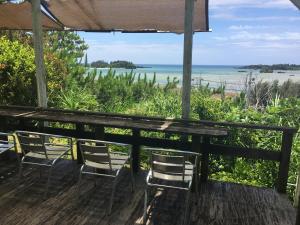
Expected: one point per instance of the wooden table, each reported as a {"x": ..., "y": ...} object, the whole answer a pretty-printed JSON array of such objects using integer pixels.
[
  {"x": 135, "y": 123},
  {"x": 111, "y": 120}
]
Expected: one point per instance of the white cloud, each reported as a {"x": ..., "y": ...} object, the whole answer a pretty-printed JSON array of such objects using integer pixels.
[
  {"x": 231, "y": 16},
  {"x": 251, "y": 4},
  {"x": 246, "y": 27},
  {"x": 267, "y": 45},
  {"x": 246, "y": 36},
  {"x": 269, "y": 18}
]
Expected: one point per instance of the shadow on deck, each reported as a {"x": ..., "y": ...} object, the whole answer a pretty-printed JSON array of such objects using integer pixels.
[{"x": 219, "y": 203}]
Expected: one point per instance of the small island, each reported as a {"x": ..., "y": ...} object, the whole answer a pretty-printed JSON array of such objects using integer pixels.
[
  {"x": 114, "y": 64},
  {"x": 271, "y": 68}
]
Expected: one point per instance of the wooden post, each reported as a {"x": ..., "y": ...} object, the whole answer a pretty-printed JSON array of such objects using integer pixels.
[
  {"x": 298, "y": 214},
  {"x": 79, "y": 130},
  {"x": 297, "y": 191},
  {"x": 3, "y": 124},
  {"x": 100, "y": 133},
  {"x": 136, "y": 150},
  {"x": 39, "y": 53},
  {"x": 286, "y": 148},
  {"x": 3, "y": 128},
  {"x": 205, "y": 159},
  {"x": 196, "y": 143},
  {"x": 187, "y": 58}
]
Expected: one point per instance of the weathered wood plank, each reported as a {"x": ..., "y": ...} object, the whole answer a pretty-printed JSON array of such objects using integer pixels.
[
  {"x": 187, "y": 58},
  {"x": 165, "y": 126},
  {"x": 249, "y": 153},
  {"x": 286, "y": 148},
  {"x": 205, "y": 159},
  {"x": 218, "y": 204},
  {"x": 39, "y": 53},
  {"x": 155, "y": 118},
  {"x": 135, "y": 150}
]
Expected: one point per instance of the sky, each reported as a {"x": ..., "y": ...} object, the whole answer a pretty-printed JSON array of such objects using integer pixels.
[{"x": 243, "y": 32}]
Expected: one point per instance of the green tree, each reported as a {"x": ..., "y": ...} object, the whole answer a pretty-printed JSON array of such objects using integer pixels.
[
  {"x": 69, "y": 47},
  {"x": 17, "y": 73}
]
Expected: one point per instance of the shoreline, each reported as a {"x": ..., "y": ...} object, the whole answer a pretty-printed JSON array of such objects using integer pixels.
[{"x": 215, "y": 76}]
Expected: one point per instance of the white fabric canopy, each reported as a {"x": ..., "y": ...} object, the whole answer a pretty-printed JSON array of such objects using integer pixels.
[{"x": 128, "y": 15}]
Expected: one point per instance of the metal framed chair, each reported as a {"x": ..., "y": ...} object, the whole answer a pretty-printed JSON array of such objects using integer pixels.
[
  {"x": 40, "y": 149},
  {"x": 97, "y": 155},
  {"x": 6, "y": 144},
  {"x": 174, "y": 170}
]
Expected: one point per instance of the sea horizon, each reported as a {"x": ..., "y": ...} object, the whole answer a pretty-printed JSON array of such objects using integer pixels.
[{"x": 232, "y": 76}]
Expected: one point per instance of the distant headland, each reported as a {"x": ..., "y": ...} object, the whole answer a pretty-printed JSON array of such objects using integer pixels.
[
  {"x": 271, "y": 68},
  {"x": 114, "y": 64}
]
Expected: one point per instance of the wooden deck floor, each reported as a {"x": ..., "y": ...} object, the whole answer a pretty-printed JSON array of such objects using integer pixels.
[{"x": 218, "y": 204}]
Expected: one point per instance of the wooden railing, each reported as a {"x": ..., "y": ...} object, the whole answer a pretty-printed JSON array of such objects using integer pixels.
[{"x": 93, "y": 124}]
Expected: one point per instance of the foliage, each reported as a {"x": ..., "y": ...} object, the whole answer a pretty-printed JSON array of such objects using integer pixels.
[
  {"x": 100, "y": 64},
  {"x": 113, "y": 64},
  {"x": 68, "y": 47},
  {"x": 122, "y": 64},
  {"x": 270, "y": 68},
  {"x": 117, "y": 92},
  {"x": 77, "y": 98},
  {"x": 161, "y": 104},
  {"x": 17, "y": 73},
  {"x": 262, "y": 93}
]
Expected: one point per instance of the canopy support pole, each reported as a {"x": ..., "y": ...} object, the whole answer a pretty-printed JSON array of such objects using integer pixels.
[
  {"x": 296, "y": 3},
  {"x": 39, "y": 53},
  {"x": 187, "y": 58}
]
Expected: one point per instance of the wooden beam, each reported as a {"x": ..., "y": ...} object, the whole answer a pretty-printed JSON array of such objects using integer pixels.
[
  {"x": 205, "y": 159},
  {"x": 136, "y": 134},
  {"x": 298, "y": 214},
  {"x": 187, "y": 58},
  {"x": 297, "y": 192},
  {"x": 248, "y": 153},
  {"x": 79, "y": 132},
  {"x": 9, "y": 111},
  {"x": 286, "y": 148},
  {"x": 39, "y": 53}
]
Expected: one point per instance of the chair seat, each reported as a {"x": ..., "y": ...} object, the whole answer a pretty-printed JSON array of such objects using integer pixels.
[
  {"x": 5, "y": 147},
  {"x": 117, "y": 162}
]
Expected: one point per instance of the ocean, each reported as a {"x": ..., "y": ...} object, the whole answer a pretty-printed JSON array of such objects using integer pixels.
[{"x": 232, "y": 76}]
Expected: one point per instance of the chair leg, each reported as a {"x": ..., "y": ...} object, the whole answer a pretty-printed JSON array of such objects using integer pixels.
[
  {"x": 40, "y": 171},
  {"x": 197, "y": 186},
  {"x": 95, "y": 178},
  {"x": 112, "y": 195},
  {"x": 48, "y": 181},
  {"x": 145, "y": 206},
  {"x": 132, "y": 179},
  {"x": 79, "y": 181},
  {"x": 186, "y": 210},
  {"x": 74, "y": 169},
  {"x": 20, "y": 172}
]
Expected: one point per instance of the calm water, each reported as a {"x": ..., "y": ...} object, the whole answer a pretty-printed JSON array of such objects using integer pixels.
[{"x": 214, "y": 75}]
